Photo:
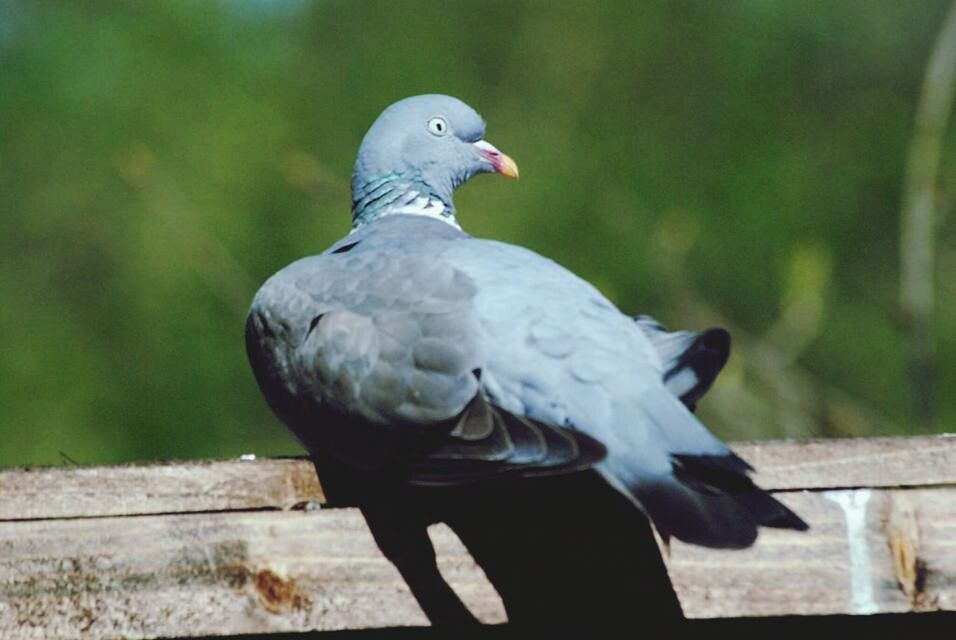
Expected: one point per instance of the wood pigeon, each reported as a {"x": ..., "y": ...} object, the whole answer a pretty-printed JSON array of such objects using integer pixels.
[{"x": 415, "y": 351}]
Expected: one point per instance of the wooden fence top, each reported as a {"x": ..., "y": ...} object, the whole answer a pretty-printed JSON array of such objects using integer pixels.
[{"x": 243, "y": 546}]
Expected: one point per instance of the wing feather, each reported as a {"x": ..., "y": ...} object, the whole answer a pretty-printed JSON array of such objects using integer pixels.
[{"x": 343, "y": 346}]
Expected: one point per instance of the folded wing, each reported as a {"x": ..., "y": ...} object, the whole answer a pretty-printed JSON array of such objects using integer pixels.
[{"x": 373, "y": 351}]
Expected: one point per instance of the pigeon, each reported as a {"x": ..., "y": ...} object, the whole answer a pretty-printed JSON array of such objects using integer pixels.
[{"x": 412, "y": 351}]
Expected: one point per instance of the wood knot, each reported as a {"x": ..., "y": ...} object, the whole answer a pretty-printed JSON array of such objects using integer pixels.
[
  {"x": 280, "y": 595},
  {"x": 902, "y": 528}
]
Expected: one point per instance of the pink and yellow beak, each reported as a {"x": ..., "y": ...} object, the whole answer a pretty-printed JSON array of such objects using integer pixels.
[{"x": 501, "y": 163}]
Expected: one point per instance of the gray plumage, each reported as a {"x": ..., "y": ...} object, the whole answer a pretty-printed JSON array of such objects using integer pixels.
[
  {"x": 690, "y": 360},
  {"x": 412, "y": 349}
]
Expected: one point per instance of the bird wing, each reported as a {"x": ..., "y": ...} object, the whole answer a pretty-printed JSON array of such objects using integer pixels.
[
  {"x": 374, "y": 350},
  {"x": 563, "y": 354},
  {"x": 412, "y": 347}
]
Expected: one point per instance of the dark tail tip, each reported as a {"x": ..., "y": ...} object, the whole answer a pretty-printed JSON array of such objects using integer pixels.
[
  {"x": 727, "y": 499},
  {"x": 784, "y": 518}
]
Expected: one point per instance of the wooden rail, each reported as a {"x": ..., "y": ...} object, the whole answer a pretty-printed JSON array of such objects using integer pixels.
[{"x": 233, "y": 547}]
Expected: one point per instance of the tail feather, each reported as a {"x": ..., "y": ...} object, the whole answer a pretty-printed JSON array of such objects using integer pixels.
[
  {"x": 726, "y": 476},
  {"x": 690, "y": 509},
  {"x": 691, "y": 360},
  {"x": 718, "y": 520},
  {"x": 690, "y": 484}
]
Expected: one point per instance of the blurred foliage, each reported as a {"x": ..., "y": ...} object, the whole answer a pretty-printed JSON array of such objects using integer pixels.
[{"x": 734, "y": 162}]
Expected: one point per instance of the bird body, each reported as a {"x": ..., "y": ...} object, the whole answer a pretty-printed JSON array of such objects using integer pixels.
[{"x": 412, "y": 349}]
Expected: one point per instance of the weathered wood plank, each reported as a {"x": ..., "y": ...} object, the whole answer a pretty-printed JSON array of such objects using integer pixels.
[
  {"x": 852, "y": 561},
  {"x": 852, "y": 462},
  {"x": 195, "y": 486},
  {"x": 182, "y": 487},
  {"x": 241, "y": 572},
  {"x": 79, "y": 557},
  {"x": 213, "y": 574}
]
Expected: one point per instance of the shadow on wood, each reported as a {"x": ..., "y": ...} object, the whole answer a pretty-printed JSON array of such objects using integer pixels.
[
  {"x": 218, "y": 547},
  {"x": 565, "y": 550},
  {"x": 903, "y": 625}
]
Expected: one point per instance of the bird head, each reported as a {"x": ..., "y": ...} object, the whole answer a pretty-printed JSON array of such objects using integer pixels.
[{"x": 429, "y": 144}]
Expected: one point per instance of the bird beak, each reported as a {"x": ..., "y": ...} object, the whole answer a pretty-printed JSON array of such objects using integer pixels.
[{"x": 500, "y": 162}]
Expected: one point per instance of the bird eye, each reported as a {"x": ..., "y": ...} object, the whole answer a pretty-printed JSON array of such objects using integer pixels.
[{"x": 437, "y": 126}]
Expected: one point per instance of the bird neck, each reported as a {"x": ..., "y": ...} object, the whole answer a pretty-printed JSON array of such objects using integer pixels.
[{"x": 397, "y": 193}]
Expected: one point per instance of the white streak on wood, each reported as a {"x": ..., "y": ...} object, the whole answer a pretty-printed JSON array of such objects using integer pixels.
[{"x": 854, "y": 504}]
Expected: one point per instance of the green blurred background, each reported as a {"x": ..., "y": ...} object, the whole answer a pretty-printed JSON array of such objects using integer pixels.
[{"x": 734, "y": 162}]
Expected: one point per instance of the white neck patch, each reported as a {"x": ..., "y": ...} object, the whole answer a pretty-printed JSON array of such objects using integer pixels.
[{"x": 417, "y": 205}]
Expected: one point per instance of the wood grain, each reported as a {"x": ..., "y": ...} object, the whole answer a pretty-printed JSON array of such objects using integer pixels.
[
  {"x": 852, "y": 462},
  {"x": 788, "y": 573},
  {"x": 213, "y": 574},
  {"x": 199, "y": 486},
  {"x": 213, "y": 548},
  {"x": 183, "y": 487}
]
